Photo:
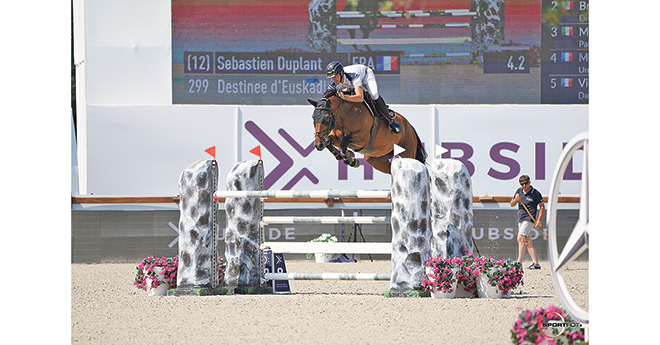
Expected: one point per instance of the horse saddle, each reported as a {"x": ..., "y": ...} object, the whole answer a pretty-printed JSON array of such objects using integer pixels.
[{"x": 373, "y": 110}]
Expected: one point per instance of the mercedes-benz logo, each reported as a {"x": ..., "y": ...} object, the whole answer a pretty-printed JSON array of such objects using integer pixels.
[{"x": 578, "y": 241}]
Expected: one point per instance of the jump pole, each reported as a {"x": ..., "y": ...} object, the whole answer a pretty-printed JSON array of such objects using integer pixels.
[
  {"x": 326, "y": 220},
  {"x": 327, "y": 276},
  {"x": 324, "y": 194},
  {"x": 410, "y": 221}
]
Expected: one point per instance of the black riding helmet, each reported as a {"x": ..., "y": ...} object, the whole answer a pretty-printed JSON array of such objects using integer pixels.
[{"x": 333, "y": 68}]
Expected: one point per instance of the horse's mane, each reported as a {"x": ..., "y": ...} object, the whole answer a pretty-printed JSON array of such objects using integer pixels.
[
  {"x": 347, "y": 89},
  {"x": 329, "y": 93}
]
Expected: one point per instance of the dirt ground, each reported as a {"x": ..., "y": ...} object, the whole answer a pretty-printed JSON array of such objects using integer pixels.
[{"x": 315, "y": 312}]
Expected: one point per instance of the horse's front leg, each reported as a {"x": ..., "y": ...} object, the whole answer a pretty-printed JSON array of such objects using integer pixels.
[
  {"x": 338, "y": 155},
  {"x": 349, "y": 156},
  {"x": 329, "y": 144},
  {"x": 350, "y": 160}
]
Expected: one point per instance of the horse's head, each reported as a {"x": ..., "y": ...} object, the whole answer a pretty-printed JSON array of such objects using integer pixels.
[{"x": 324, "y": 122}]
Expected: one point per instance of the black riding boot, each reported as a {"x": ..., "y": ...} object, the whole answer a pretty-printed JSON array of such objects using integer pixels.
[{"x": 389, "y": 115}]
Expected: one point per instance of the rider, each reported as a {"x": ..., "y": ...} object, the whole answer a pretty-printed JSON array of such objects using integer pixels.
[{"x": 360, "y": 76}]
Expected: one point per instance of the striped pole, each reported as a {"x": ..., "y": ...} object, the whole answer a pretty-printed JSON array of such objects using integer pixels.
[
  {"x": 325, "y": 194},
  {"x": 326, "y": 220},
  {"x": 399, "y": 14},
  {"x": 331, "y": 247},
  {"x": 403, "y": 26},
  {"x": 327, "y": 276},
  {"x": 426, "y": 55},
  {"x": 410, "y": 40}
]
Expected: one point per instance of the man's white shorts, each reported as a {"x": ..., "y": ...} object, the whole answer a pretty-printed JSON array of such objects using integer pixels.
[{"x": 525, "y": 228}]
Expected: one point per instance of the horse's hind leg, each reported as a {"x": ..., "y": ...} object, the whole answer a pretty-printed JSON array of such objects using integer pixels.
[{"x": 381, "y": 163}]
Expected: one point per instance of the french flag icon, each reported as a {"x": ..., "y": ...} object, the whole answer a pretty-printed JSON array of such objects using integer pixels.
[{"x": 387, "y": 63}]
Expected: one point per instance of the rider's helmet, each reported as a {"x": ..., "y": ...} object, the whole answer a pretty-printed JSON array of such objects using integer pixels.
[{"x": 333, "y": 69}]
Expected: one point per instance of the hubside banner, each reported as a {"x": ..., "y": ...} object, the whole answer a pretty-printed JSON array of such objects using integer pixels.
[{"x": 496, "y": 144}]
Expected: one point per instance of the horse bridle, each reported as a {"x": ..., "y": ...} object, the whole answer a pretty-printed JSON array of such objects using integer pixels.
[{"x": 323, "y": 107}]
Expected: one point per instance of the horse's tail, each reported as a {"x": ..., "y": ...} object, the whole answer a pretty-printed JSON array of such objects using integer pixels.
[{"x": 420, "y": 154}]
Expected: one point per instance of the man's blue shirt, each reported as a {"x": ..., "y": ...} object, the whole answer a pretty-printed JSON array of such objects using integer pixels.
[{"x": 532, "y": 199}]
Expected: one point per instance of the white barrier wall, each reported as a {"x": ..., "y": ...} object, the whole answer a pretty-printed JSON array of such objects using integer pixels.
[{"x": 141, "y": 150}]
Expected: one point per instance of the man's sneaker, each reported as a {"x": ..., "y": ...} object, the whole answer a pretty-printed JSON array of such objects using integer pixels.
[{"x": 534, "y": 267}]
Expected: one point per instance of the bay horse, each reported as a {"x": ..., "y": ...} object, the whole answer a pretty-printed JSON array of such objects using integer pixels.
[{"x": 351, "y": 127}]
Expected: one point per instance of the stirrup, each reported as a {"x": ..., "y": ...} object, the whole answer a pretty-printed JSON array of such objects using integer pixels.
[{"x": 395, "y": 128}]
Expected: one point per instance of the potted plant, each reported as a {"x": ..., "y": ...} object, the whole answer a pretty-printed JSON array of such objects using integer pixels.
[
  {"x": 440, "y": 277},
  {"x": 157, "y": 275},
  {"x": 497, "y": 277},
  {"x": 323, "y": 257},
  {"x": 532, "y": 327},
  {"x": 513, "y": 276},
  {"x": 466, "y": 276}
]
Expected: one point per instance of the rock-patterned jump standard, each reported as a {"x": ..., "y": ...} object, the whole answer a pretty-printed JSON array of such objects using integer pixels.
[
  {"x": 451, "y": 211},
  {"x": 411, "y": 224},
  {"x": 243, "y": 234},
  {"x": 197, "y": 239}
]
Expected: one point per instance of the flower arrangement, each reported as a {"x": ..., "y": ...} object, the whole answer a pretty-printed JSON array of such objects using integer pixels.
[
  {"x": 148, "y": 269},
  {"x": 526, "y": 329},
  {"x": 151, "y": 267},
  {"x": 503, "y": 274},
  {"x": 440, "y": 274},
  {"x": 468, "y": 272},
  {"x": 323, "y": 238},
  {"x": 512, "y": 276}
]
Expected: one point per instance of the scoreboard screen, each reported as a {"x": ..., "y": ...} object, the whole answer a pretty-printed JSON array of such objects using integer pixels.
[
  {"x": 565, "y": 52},
  {"x": 422, "y": 52}
]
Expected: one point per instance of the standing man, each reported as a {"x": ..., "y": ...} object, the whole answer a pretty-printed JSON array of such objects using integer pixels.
[
  {"x": 527, "y": 198},
  {"x": 360, "y": 76}
]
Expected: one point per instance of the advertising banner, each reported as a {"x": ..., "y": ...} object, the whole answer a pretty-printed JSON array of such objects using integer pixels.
[{"x": 497, "y": 144}]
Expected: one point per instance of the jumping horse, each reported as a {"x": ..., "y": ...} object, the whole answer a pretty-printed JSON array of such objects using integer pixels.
[{"x": 352, "y": 127}]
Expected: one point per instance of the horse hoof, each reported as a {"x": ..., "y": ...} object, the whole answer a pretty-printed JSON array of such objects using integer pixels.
[{"x": 356, "y": 164}]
